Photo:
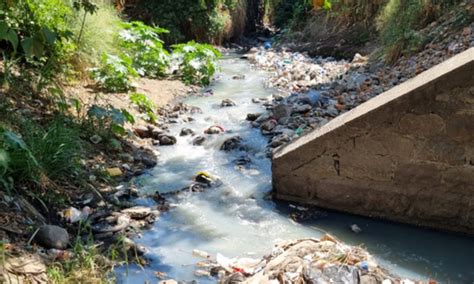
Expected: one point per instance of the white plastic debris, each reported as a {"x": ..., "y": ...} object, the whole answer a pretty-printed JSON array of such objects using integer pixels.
[
  {"x": 73, "y": 215},
  {"x": 200, "y": 253},
  {"x": 355, "y": 228}
]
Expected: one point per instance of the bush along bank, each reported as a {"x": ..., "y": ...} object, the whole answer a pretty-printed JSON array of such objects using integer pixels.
[{"x": 68, "y": 154}]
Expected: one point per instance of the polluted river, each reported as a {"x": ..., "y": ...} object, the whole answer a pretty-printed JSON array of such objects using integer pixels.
[{"x": 238, "y": 218}]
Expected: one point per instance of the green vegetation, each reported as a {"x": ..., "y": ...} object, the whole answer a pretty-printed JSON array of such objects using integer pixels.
[
  {"x": 145, "y": 48},
  {"x": 39, "y": 159},
  {"x": 204, "y": 21},
  {"x": 145, "y": 106},
  {"x": 197, "y": 62},
  {"x": 115, "y": 73},
  {"x": 399, "y": 23}
]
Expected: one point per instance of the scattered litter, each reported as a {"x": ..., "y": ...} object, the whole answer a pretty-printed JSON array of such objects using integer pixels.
[
  {"x": 201, "y": 273},
  {"x": 324, "y": 260},
  {"x": 200, "y": 253},
  {"x": 355, "y": 228},
  {"x": 73, "y": 215},
  {"x": 160, "y": 274},
  {"x": 113, "y": 172}
]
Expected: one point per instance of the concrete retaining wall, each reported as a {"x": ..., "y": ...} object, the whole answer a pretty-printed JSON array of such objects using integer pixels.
[{"x": 406, "y": 155}]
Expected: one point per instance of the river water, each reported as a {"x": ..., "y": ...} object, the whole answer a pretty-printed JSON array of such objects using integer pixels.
[{"x": 238, "y": 219}]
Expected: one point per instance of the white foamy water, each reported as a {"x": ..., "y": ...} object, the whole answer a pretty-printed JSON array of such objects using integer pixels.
[{"x": 236, "y": 219}]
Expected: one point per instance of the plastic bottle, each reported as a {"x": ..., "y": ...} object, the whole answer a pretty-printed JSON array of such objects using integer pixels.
[{"x": 200, "y": 253}]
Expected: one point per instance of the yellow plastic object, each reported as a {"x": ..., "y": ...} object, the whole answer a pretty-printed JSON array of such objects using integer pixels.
[
  {"x": 203, "y": 174},
  {"x": 113, "y": 172}
]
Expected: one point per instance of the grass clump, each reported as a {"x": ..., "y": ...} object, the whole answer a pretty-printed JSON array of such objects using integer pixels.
[
  {"x": 39, "y": 155},
  {"x": 99, "y": 34},
  {"x": 400, "y": 22}
]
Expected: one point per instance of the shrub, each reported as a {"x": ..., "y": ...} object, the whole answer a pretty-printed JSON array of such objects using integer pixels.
[
  {"x": 145, "y": 105},
  {"x": 35, "y": 32},
  {"x": 197, "y": 62},
  {"x": 109, "y": 119},
  {"x": 115, "y": 73},
  {"x": 144, "y": 46}
]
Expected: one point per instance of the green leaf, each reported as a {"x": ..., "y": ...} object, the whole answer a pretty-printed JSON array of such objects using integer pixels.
[
  {"x": 3, "y": 159},
  {"x": 6, "y": 33},
  {"x": 128, "y": 116},
  {"x": 49, "y": 35},
  {"x": 118, "y": 129},
  {"x": 117, "y": 116},
  {"x": 97, "y": 111},
  {"x": 32, "y": 47},
  {"x": 3, "y": 29}
]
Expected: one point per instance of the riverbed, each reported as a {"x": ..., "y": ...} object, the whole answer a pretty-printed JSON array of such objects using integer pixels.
[{"x": 238, "y": 218}]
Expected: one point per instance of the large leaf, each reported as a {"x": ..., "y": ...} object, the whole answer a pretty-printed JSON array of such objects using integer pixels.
[
  {"x": 97, "y": 111},
  {"x": 49, "y": 35},
  {"x": 6, "y": 33},
  {"x": 128, "y": 116},
  {"x": 32, "y": 47}
]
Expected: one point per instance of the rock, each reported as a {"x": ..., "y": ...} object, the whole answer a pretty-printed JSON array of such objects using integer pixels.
[
  {"x": 156, "y": 133},
  {"x": 142, "y": 131},
  {"x": 169, "y": 281},
  {"x": 303, "y": 108},
  {"x": 238, "y": 77},
  {"x": 278, "y": 97},
  {"x": 268, "y": 125},
  {"x": 280, "y": 140},
  {"x": 232, "y": 143},
  {"x": 167, "y": 140},
  {"x": 199, "y": 140},
  {"x": 259, "y": 100},
  {"x": 228, "y": 103},
  {"x": 242, "y": 161},
  {"x": 281, "y": 111},
  {"x": 148, "y": 162},
  {"x": 235, "y": 278},
  {"x": 126, "y": 157},
  {"x": 216, "y": 129},
  {"x": 186, "y": 131},
  {"x": 137, "y": 212},
  {"x": 331, "y": 111},
  {"x": 253, "y": 116},
  {"x": 51, "y": 236},
  {"x": 262, "y": 118}
]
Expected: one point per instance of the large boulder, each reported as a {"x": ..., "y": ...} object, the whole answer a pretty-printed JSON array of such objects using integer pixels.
[{"x": 51, "y": 236}]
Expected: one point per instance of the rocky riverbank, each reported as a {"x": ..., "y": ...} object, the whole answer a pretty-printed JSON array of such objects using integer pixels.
[
  {"x": 94, "y": 224},
  {"x": 313, "y": 91}
]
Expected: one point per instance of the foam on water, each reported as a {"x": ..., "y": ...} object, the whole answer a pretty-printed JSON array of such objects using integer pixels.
[{"x": 236, "y": 219}]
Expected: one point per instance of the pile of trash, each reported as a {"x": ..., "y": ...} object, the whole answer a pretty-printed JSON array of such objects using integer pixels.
[
  {"x": 324, "y": 260},
  {"x": 296, "y": 71}
]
